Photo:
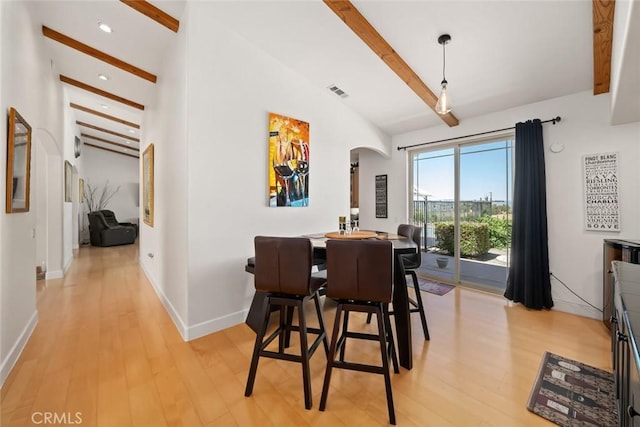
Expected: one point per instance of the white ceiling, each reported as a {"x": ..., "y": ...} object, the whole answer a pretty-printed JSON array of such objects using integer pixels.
[{"x": 502, "y": 54}]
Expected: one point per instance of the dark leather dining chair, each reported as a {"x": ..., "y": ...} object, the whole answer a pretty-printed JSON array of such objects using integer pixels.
[
  {"x": 360, "y": 279},
  {"x": 283, "y": 271},
  {"x": 411, "y": 262}
]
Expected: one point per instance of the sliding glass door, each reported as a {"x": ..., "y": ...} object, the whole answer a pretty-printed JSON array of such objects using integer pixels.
[{"x": 462, "y": 197}]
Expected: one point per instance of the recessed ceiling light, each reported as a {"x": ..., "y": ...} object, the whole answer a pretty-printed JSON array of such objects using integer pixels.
[
  {"x": 128, "y": 142},
  {"x": 103, "y": 77},
  {"x": 104, "y": 27},
  {"x": 105, "y": 106},
  {"x": 132, "y": 131}
]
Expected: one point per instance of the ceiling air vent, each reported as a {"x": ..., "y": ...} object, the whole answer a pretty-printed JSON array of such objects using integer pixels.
[{"x": 335, "y": 89}]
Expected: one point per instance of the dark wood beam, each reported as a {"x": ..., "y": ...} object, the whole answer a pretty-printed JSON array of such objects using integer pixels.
[
  {"x": 103, "y": 115},
  {"x": 158, "y": 15},
  {"x": 106, "y": 141},
  {"x": 110, "y": 132},
  {"x": 113, "y": 151},
  {"x": 602, "y": 43},
  {"x": 105, "y": 57},
  {"x": 363, "y": 29},
  {"x": 97, "y": 91}
]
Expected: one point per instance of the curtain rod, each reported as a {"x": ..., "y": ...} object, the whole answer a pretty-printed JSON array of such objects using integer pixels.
[{"x": 554, "y": 120}]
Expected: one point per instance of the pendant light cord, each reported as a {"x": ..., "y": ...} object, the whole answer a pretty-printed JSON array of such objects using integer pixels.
[{"x": 444, "y": 61}]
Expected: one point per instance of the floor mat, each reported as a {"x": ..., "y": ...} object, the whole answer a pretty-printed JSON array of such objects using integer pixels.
[
  {"x": 570, "y": 393},
  {"x": 434, "y": 287}
]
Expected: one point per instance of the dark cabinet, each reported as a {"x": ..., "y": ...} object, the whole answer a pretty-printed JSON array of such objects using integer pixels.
[
  {"x": 625, "y": 339},
  {"x": 615, "y": 250},
  {"x": 632, "y": 412}
]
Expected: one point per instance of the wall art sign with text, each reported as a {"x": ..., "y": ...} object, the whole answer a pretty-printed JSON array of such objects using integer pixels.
[
  {"x": 381, "y": 196},
  {"x": 601, "y": 196}
]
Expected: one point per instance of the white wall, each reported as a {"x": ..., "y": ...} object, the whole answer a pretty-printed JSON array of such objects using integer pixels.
[
  {"x": 100, "y": 166},
  {"x": 211, "y": 138},
  {"x": 163, "y": 247},
  {"x": 231, "y": 91},
  {"x": 69, "y": 213},
  {"x": 28, "y": 85},
  {"x": 39, "y": 197},
  {"x": 575, "y": 254},
  {"x": 625, "y": 63}
]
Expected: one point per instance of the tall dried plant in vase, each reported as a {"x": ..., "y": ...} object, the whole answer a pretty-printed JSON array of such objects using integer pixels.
[{"x": 96, "y": 198}]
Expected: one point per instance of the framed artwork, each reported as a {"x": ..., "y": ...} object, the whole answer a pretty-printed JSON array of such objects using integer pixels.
[
  {"x": 147, "y": 186},
  {"x": 68, "y": 176},
  {"x": 288, "y": 161},
  {"x": 601, "y": 192},
  {"x": 381, "y": 196},
  {"x": 18, "y": 163},
  {"x": 77, "y": 147},
  {"x": 81, "y": 190}
]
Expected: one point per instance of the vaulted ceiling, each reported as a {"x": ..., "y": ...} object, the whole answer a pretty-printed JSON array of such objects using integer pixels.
[
  {"x": 383, "y": 54},
  {"x": 109, "y": 78}
]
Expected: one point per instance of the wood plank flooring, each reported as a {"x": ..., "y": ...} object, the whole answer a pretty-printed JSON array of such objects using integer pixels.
[{"x": 105, "y": 350}]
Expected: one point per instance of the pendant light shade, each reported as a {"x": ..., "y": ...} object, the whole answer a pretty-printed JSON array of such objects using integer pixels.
[
  {"x": 444, "y": 102},
  {"x": 443, "y": 106}
]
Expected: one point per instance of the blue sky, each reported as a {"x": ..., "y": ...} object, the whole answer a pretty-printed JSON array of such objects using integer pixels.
[{"x": 483, "y": 170}]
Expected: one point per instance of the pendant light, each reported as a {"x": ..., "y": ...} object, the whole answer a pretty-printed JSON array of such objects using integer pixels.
[{"x": 444, "y": 103}]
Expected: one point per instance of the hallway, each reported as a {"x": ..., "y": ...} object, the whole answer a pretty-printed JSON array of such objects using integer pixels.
[{"x": 106, "y": 353}]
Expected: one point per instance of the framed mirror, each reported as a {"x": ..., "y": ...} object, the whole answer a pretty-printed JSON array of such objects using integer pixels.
[
  {"x": 18, "y": 163},
  {"x": 147, "y": 186}
]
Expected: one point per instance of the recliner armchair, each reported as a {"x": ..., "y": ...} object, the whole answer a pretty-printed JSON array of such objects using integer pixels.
[
  {"x": 112, "y": 221},
  {"x": 104, "y": 234}
]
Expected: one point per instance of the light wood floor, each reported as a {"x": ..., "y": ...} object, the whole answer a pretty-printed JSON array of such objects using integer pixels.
[{"x": 104, "y": 347}]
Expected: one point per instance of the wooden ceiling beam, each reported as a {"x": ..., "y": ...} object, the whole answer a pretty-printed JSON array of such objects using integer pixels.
[
  {"x": 110, "y": 132},
  {"x": 97, "y": 91},
  {"x": 603, "y": 11},
  {"x": 103, "y": 115},
  {"x": 363, "y": 29},
  {"x": 105, "y": 57},
  {"x": 106, "y": 141},
  {"x": 158, "y": 15},
  {"x": 113, "y": 151}
]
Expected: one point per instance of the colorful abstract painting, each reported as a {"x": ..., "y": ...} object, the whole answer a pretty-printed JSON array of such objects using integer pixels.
[{"x": 288, "y": 161}]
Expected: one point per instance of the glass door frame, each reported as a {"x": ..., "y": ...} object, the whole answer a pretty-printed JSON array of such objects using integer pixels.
[{"x": 467, "y": 142}]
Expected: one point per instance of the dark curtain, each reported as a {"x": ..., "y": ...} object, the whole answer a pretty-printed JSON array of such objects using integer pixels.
[{"x": 529, "y": 281}]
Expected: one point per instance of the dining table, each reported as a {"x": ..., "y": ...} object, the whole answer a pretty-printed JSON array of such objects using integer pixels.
[{"x": 400, "y": 300}]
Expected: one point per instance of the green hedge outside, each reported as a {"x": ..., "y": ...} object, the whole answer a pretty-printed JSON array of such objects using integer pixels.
[{"x": 474, "y": 238}]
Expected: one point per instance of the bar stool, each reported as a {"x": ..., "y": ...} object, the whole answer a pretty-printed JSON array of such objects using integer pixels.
[
  {"x": 411, "y": 262},
  {"x": 360, "y": 278},
  {"x": 283, "y": 271}
]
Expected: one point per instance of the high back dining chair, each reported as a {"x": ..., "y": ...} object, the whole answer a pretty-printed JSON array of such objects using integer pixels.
[
  {"x": 411, "y": 262},
  {"x": 283, "y": 271},
  {"x": 360, "y": 278}
]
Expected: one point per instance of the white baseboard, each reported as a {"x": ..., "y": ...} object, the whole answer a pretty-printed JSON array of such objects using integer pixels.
[
  {"x": 214, "y": 325},
  {"x": 173, "y": 313},
  {"x": 58, "y": 274},
  {"x": 189, "y": 333},
  {"x": 577, "y": 309},
  {"x": 16, "y": 349},
  {"x": 67, "y": 265}
]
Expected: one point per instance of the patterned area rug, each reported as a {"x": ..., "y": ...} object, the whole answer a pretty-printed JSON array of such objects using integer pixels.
[
  {"x": 570, "y": 393},
  {"x": 433, "y": 287}
]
